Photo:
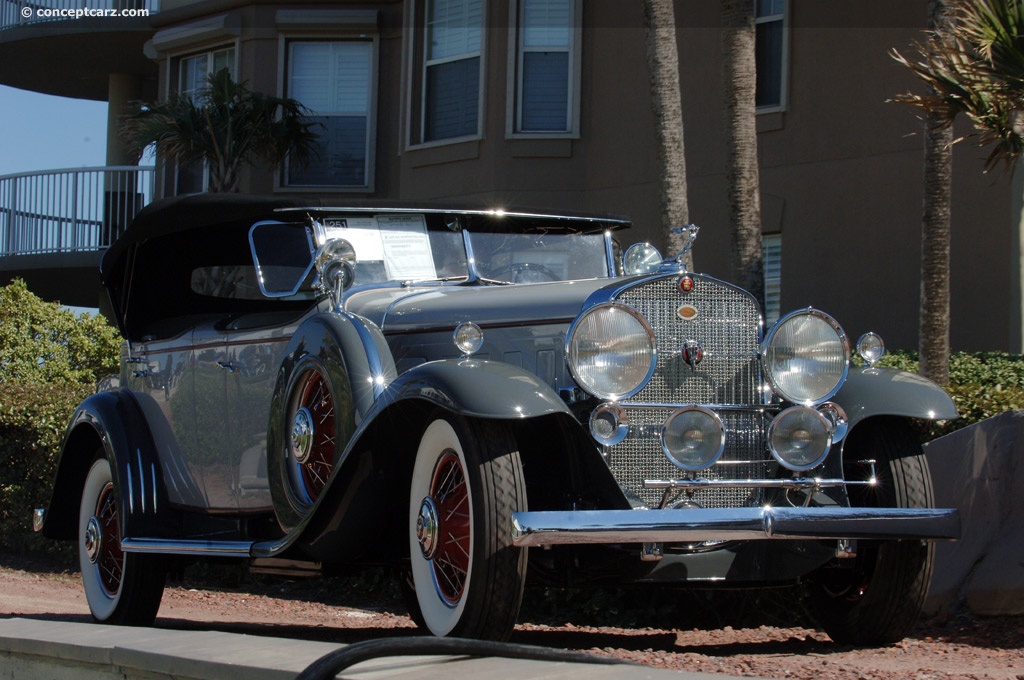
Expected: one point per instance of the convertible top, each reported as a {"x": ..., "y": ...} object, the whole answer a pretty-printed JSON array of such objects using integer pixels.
[{"x": 147, "y": 271}]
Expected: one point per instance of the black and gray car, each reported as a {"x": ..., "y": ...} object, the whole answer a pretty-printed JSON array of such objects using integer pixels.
[{"x": 479, "y": 399}]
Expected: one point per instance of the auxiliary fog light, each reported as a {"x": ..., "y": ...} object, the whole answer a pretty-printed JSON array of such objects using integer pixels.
[
  {"x": 799, "y": 438},
  {"x": 609, "y": 424},
  {"x": 693, "y": 438}
]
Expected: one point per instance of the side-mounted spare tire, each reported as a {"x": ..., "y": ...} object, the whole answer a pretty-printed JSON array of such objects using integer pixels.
[{"x": 878, "y": 598}]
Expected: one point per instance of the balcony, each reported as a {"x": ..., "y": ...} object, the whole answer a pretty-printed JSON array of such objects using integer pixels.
[
  {"x": 53, "y": 47},
  {"x": 55, "y": 225},
  {"x": 23, "y": 12}
]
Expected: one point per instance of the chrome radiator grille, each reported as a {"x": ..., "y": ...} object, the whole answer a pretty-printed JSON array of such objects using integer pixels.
[{"x": 727, "y": 323}]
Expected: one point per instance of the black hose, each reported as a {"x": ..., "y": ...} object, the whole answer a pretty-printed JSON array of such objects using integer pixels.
[{"x": 331, "y": 664}]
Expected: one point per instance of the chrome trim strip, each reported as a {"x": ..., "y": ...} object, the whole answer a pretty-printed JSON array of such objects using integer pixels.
[
  {"x": 701, "y": 483},
  {"x": 705, "y": 524},
  {"x": 187, "y": 547},
  {"x": 142, "y": 480},
  {"x": 131, "y": 490},
  {"x": 152, "y": 473},
  {"x": 753, "y": 408},
  {"x": 385, "y": 210}
]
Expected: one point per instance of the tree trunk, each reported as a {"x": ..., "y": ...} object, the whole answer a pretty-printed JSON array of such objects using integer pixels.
[
  {"x": 663, "y": 71},
  {"x": 740, "y": 88},
  {"x": 933, "y": 329}
]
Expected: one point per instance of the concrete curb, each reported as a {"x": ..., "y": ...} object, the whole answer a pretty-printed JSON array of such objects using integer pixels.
[{"x": 62, "y": 650}]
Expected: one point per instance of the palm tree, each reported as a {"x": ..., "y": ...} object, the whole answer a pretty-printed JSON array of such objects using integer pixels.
[
  {"x": 225, "y": 126},
  {"x": 663, "y": 71},
  {"x": 740, "y": 82},
  {"x": 973, "y": 63}
]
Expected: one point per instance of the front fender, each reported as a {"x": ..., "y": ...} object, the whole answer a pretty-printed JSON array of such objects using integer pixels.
[
  {"x": 112, "y": 422},
  {"x": 471, "y": 387},
  {"x": 886, "y": 391}
]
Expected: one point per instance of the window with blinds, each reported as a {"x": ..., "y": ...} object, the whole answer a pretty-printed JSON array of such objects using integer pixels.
[
  {"x": 334, "y": 80},
  {"x": 193, "y": 72},
  {"x": 451, "y": 77},
  {"x": 545, "y": 52}
]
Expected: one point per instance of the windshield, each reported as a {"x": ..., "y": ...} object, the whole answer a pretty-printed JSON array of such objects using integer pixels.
[{"x": 401, "y": 248}]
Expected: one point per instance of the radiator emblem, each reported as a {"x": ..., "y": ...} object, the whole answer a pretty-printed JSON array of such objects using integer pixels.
[
  {"x": 687, "y": 312},
  {"x": 686, "y": 284}
]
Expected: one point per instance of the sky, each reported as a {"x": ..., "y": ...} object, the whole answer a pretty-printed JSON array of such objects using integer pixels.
[{"x": 43, "y": 132}]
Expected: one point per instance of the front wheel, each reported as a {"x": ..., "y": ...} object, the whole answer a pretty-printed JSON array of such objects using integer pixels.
[
  {"x": 121, "y": 588},
  {"x": 877, "y": 599},
  {"x": 467, "y": 480}
]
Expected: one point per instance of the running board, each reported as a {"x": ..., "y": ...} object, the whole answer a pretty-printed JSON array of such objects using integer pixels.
[{"x": 171, "y": 546}]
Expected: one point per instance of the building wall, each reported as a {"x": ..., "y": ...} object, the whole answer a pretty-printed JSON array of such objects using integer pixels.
[{"x": 841, "y": 166}]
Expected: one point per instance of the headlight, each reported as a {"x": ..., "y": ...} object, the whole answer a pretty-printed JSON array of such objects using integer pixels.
[
  {"x": 806, "y": 357},
  {"x": 611, "y": 351}
]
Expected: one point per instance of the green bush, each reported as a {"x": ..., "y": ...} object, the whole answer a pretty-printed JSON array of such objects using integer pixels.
[
  {"x": 50, "y": 359},
  {"x": 32, "y": 422}
]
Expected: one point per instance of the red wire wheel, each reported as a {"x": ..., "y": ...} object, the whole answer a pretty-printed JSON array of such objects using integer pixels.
[
  {"x": 109, "y": 558},
  {"x": 313, "y": 436},
  {"x": 450, "y": 552}
]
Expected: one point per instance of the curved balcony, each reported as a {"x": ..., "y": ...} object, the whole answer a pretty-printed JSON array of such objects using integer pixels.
[
  {"x": 55, "y": 47},
  {"x": 55, "y": 225}
]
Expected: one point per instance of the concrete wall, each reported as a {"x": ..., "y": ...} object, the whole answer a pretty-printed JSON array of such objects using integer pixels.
[{"x": 978, "y": 470}]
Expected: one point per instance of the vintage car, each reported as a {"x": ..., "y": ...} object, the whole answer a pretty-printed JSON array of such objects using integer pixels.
[{"x": 458, "y": 394}]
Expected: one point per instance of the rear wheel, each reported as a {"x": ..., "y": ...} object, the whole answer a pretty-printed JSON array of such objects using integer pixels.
[
  {"x": 467, "y": 576},
  {"x": 121, "y": 588},
  {"x": 878, "y": 599}
]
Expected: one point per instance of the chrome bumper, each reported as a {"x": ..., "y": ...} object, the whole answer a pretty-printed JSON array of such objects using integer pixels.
[{"x": 693, "y": 525}]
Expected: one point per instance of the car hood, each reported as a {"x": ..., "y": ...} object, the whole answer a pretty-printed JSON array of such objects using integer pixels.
[{"x": 405, "y": 310}]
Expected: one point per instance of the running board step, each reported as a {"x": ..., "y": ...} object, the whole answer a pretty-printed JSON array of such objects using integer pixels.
[{"x": 171, "y": 546}]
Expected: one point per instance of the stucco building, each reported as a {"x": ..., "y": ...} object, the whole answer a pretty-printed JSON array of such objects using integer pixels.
[{"x": 546, "y": 104}]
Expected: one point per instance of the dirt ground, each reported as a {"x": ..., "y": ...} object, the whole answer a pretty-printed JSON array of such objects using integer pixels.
[{"x": 960, "y": 648}]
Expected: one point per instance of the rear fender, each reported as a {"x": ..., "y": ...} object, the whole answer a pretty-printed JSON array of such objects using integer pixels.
[
  {"x": 871, "y": 392},
  {"x": 111, "y": 421}
]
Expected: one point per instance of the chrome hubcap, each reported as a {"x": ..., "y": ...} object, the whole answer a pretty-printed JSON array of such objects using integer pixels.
[
  {"x": 426, "y": 528},
  {"x": 93, "y": 540},
  {"x": 302, "y": 435}
]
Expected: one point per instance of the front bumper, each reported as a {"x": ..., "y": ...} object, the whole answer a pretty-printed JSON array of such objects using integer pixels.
[{"x": 693, "y": 525}]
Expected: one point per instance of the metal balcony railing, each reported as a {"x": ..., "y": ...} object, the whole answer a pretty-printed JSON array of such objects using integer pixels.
[
  {"x": 15, "y": 13},
  {"x": 64, "y": 211}
]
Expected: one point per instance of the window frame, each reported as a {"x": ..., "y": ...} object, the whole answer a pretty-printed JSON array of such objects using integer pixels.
[
  {"x": 514, "y": 90},
  {"x": 782, "y": 17},
  {"x": 281, "y": 182},
  {"x": 175, "y": 65},
  {"x": 417, "y": 64}
]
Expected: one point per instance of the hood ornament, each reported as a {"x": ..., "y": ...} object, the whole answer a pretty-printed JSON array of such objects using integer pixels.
[{"x": 689, "y": 233}]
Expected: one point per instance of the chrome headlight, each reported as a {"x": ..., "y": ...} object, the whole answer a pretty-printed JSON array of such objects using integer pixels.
[
  {"x": 611, "y": 351},
  {"x": 806, "y": 357}
]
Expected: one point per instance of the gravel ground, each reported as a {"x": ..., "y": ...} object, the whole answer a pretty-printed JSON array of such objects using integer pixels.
[{"x": 963, "y": 647}]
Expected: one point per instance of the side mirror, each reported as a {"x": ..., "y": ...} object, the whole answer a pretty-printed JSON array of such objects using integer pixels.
[
  {"x": 335, "y": 263},
  {"x": 641, "y": 258}
]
